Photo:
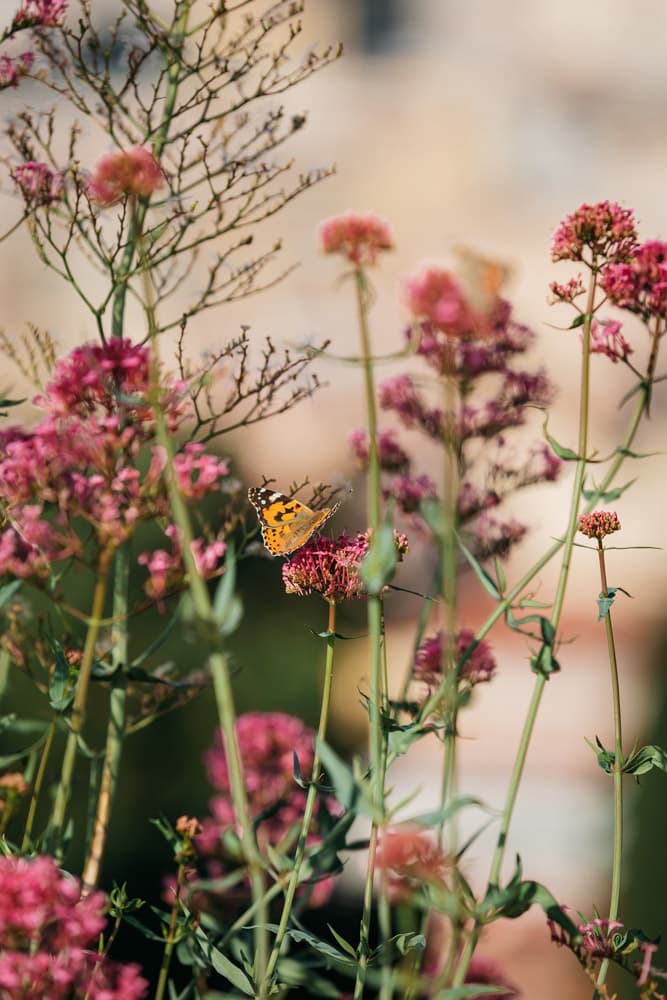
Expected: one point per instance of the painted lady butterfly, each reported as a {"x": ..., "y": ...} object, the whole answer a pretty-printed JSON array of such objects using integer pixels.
[{"x": 286, "y": 523}]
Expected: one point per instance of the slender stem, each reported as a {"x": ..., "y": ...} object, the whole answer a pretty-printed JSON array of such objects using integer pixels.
[
  {"x": 540, "y": 680},
  {"x": 293, "y": 883},
  {"x": 375, "y": 619},
  {"x": 117, "y": 719},
  {"x": 37, "y": 787},
  {"x": 170, "y": 942},
  {"x": 204, "y": 613},
  {"x": 617, "y": 856},
  {"x": 448, "y": 591},
  {"x": 79, "y": 705}
]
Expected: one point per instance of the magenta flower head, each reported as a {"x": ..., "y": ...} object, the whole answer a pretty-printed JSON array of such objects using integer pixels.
[
  {"x": 133, "y": 171},
  {"x": 268, "y": 742},
  {"x": 435, "y": 297},
  {"x": 11, "y": 70},
  {"x": 640, "y": 285},
  {"x": 474, "y": 667},
  {"x": 40, "y": 14},
  {"x": 331, "y": 567},
  {"x": 599, "y": 524},
  {"x": 49, "y": 934},
  {"x": 38, "y": 184},
  {"x": 607, "y": 339},
  {"x": 606, "y": 229},
  {"x": 412, "y": 859},
  {"x": 391, "y": 454},
  {"x": 358, "y": 237}
]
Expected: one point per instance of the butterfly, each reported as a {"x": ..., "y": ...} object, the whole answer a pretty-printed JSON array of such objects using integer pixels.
[
  {"x": 287, "y": 524},
  {"x": 482, "y": 278}
]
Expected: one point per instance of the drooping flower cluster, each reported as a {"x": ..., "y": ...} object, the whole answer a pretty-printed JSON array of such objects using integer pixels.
[
  {"x": 475, "y": 349},
  {"x": 124, "y": 172},
  {"x": 599, "y": 524},
  {"x": 84, "y": 461},
  {"x": 38, "y": 183},
  {"x": 607, "y": 339},
  {"x": 606, "y": 229},
  {"x": 358, "y": 237},
  {"x": 268, "y": 742},
  {"x": 49, "y": 936},
  {"x": 475, "y": 663},
  {"x": 331, "y": 567},
  {"x": 608, "y": 939}
]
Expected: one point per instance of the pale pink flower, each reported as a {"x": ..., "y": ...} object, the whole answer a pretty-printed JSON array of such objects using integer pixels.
[
  {"x": 133, "y": 171},
  {"x": 39, "y": 184},
  {"x": 566, "y": 291},
  {"x": 410, "y": 856},
  {"x": 40, "y": 14},
  {"x": 358, "y": 237},
  {"x": 435, "y": 296},
  {"x": 327, "y": 566},
  {"x": 391, "y": 454},
  {"x": 11, "y": 70},
  {"x": 606, "y": 338}
]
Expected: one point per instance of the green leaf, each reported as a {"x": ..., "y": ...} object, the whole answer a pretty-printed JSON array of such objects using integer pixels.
[
  {"x": 401, "y": 739},
  {"x": 351, "y": 790},
  {"x": 61, "y": 692},
  {"x": 227, "y": 605},
  {"x": 605, "y": 758},
  {"x": 7, "y": 760},
  {"x": 6, "y": 404},
  {"x": 333, "y": 635},
  {"x": 345, "y": 945},
  {"x": 438, "y": 816},
  {"x": 609, "y": 496},
  {"x": 431, "y": 511},
  {"x": 565, "y": 453},
  {"x": 627, "y": 453},
  {"x": 224, "y": 966},
  {"x": 544, "y": 662},
  {"x": 500, "y": 575},
  {"x": 380, "y": 562},
  {"x": 484, "y": 578},
  {"x": 293, "y": 973},
  {"x": 518, "y": 896},
  {"x": 646, "y": 759},
  {"x": 8, "y": 590}
]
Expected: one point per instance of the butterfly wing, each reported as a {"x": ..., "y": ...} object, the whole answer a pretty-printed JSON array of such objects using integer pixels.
[{"x": 286, "y": 523}]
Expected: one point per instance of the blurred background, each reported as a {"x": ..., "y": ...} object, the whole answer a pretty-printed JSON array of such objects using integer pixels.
[{"x": 462, "y": 123}]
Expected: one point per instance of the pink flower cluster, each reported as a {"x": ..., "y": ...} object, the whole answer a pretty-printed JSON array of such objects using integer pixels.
[
  {"x": 391, "y": 454},
  {"x": 48, "y": 938},
  {"x": 599, "y": 524},
  {"x": 40, "y": 14},
  {"x": 640, "y": 284},
  {"x": 81, "y": 461},
  {"x": 11, "y": 70},
  {"x": 359, "y": 238},
  {"x": 38, "y": 184},
  {"x": 331, "y": 567},
  {"x": 436, "y": 298},
  {"x": 412, "y": 859},
  {"x": 268, "y": 742},
  {"x": 607, "y": 339},
  {"x": 475, "y": 662},
  {"x": 165, "y": 569},
  {"x": 606, "y": 229},
  {"x": 124, "y": 172}
]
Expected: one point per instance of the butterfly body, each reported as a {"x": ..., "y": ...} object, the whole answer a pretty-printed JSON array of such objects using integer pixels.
[{"x": 286, "y": 523}]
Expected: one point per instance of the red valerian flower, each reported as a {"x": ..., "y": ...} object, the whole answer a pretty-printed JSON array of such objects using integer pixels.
[
  {"x": 599, "y": 524},
  {"x": 475, "y": 661},
  {"x": 412, "y": 859},
  {"x": 40, "y": 14},
  {"x": 358, "y": 237},
  {"x": 640, "y": 285},
  {"x": 38, "y": 184},
  {"x": 332, "y": 567},
  {"x": 133, "y": 171},
  {"x": 607, "y": 229}
]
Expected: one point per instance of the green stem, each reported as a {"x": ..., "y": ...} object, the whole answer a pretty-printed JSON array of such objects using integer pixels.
[
  {"x": 377, "y": 693},
  {"x": 79, "y": 705},
  {"x": 618, "y": 765},
  {"x": 204, "y": 613},
  {"x": 37, "y": 787},
  {"x": 311, "y": 798},
  {"x": 540, "y": 680},
  {"x": 170, "y": 942},
  {"x": 117, "y": 720}
]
